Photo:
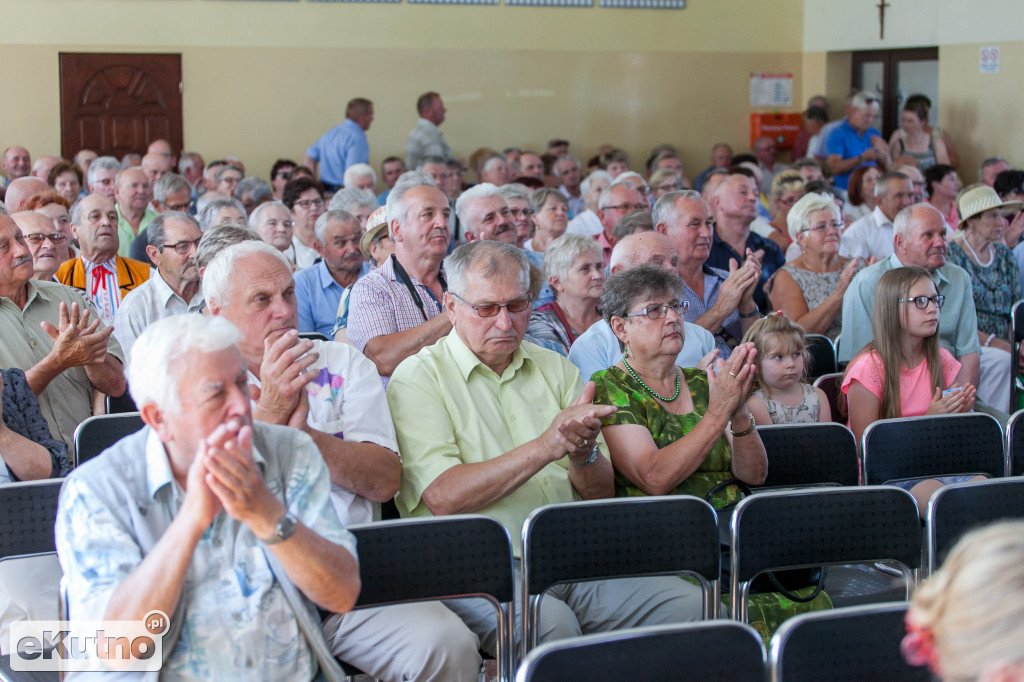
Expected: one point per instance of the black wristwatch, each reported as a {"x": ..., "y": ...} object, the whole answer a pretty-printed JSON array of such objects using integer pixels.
[{"x": 285, "y": 529}]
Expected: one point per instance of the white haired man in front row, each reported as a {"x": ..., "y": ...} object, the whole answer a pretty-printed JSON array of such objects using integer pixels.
[
  {"x": 333, "y": 393},
  {"x": 190, "y": 515}
]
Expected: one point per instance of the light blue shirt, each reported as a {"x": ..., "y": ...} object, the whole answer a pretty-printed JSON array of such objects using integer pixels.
[
  {"x": 318, "y": 295},
  {"x": 598, "y": 348},
  {"x": 342, "y": 146}
]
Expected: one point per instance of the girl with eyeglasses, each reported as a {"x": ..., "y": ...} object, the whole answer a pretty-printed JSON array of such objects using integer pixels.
[{"x": 904, "y": 372}]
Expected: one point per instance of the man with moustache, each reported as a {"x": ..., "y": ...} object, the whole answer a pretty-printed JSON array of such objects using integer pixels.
[
  {"x": 65, "y": 355},
  {"x": 174, "y": 288},
  {"x": 484, "y": 214},
  {"x": 394, "y": 310}
]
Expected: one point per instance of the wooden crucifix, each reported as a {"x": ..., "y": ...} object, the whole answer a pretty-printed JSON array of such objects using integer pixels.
[{"x": 881, "y": 18}]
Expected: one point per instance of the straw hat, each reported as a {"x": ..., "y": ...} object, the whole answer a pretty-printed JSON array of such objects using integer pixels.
[
  {"x": 977, "y": 200},
  {"x": 375, "y": 224}
]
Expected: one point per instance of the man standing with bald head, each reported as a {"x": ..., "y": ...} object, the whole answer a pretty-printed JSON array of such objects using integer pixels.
[
  {"x": 133, "y": 193},
  {"x": 103, "y": 276}
]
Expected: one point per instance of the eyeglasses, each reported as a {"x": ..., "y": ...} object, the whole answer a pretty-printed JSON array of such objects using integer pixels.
[
  {"x": 836, "y": 225},
  {"x": 492, "y": 309},
  {"x": 37, "y": 238},
  {"x": 628, "y": 207},
  {"x": 306, "y": 203},
  {"x": 657, "y": 312},
  {"x": 922, "y": 301},
  {"x": 527, "y": 212},
  {"x": 182, "y": 248}
]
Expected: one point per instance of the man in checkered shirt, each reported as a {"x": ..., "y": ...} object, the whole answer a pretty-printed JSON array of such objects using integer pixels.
[{"x": 394, "y": 310}]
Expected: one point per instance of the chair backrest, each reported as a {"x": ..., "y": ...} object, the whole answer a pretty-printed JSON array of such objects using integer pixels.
[
  {"x": 1015, "y": 444},
  {"x": 829, "y": 384},
  {"x": 713, "y": 651},
  {"x": 792, "y": 529},
  {"x": 823, "y": 355},
  {"x": 445, "y": 557},
  {"x": 944, "y": 445},
  {"x": 617, "y": 538},
  {"x": 98, "y": 433},
  {"x": 27, "y": 513},
  {"x": 121, "y": 404},
  {"x": 314, "y": 336},
  {"x": 809, "y": 454},
  {"x": 844, "y": 645},
  {"x": 957, "y": 508}
]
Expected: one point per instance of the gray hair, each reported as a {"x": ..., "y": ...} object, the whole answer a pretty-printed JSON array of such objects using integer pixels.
[
  {"x": 188, "y": 161},
  {"x": 76, "y": 212},
  {"x": 433, "y": 160},
  {"x": 490, "y": 257},
  {"x": 482, "y": 190},
  {"x": 164, "y": 341},
  {"x": 514, "y": 190},
  {"x": 224, "y": 169},
  {"x": 490, "y": 160},
  {"x": 990, "y": 161},
  {"x": 882, "y": 184},
  {"x": 864, "y": 99},
  {"x": 220, "y": 273},
  {"x": 169, "y": 183},
  {"x": 631, "y": 222},
  {"x": 338, "y": 216},
  {"x": 257, "y": 213},
  {"x": 901, "y": 223},
  {"x": 631, "y": 179},
  {"x": 563, "y": 157},
  {"x": 596, "y": 175},
  {"x": 155, "y": 233},
  {"x": 3, "y": 209},
  {"x": 563, "y": 252},
  {"x": 540, "y": 196},
  {"x": 102, "y": 163},
  {"x": 257, "y": 188},
  {"x": 207, "y": 215},
  {"x": 799, "y": 217},
  {"x": 396, "y": 205},
  {"x": 606, "y": 195},
  {"x": 665, "y": 209},
  {"x": 350, "y": 198},
  {"x": 358, "y": 170},
  {"x": 218, "y": 238},
  {"x": 626, "y": 289}
]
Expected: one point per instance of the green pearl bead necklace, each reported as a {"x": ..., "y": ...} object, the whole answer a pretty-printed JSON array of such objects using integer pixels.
[{"x": 649, "y": 389}]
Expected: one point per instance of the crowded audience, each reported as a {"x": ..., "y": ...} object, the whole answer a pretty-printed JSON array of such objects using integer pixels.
[{"x": 485, "y": 337}]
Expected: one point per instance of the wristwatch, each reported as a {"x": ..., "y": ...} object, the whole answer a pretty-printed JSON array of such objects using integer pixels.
[
  {"x": 594, "y": 454},
  {"x": 285, "y": 529}
]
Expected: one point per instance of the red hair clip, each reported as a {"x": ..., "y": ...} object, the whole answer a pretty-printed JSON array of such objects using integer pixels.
[{"x": 918, "y": 646}]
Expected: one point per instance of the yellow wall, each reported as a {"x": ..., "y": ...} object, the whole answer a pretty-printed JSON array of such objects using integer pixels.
[{"x": 264, "y": 79}]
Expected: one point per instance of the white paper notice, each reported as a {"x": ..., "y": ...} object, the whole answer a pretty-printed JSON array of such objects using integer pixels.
[
  {"x": 988, "y": 59},
  {"x": 771, "y": 89}
]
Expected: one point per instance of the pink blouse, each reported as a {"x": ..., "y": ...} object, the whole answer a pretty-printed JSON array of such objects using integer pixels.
[{"x": 915, "y": 383}]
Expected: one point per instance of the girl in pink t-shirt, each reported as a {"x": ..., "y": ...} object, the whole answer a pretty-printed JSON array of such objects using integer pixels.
[{"x": 905, "y": 326}]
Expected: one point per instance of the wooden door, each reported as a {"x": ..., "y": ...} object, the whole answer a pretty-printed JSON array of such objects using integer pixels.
[
  {"x": 885, "y": 73},
  {"x": 119, "y": 103}
]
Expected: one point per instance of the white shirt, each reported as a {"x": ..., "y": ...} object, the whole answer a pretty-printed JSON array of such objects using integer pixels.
[
  {"x": 347, "y": 400},
  {"x": 586, "y": 224},
  {"x": 598, "y": 348},
  {"x": 150, "y": 301},
  {"x": 305, "y": 256},
  {"x": 868, "y": 236}
]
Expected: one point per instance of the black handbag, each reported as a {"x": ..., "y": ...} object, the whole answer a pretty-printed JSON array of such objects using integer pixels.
[{"x": 785, "y": 582}]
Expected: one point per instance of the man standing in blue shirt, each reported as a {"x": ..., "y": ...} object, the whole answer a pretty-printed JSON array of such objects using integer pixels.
[
  {"x": 318, "y": 289},
  {"x": 343, "y": 145},
  {"x": 854, "y": 142}
]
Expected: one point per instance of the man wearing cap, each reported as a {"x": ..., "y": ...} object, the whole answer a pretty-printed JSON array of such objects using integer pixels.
[
  {"x": 995, "y": 282},
  {"x": 318, "y": 289}
]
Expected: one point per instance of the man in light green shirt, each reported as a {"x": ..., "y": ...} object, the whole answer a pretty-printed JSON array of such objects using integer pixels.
[{"x": 491, "y": 425}]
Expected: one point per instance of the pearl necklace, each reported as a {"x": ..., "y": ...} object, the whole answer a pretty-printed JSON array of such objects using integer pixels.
[
  {"x": 649, "y": 389},
  {"x": 977, "y": 258}
]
